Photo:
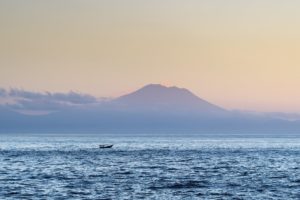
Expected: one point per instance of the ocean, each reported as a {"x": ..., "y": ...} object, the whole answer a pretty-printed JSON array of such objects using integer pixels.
[{"x": 149, "y": 166}]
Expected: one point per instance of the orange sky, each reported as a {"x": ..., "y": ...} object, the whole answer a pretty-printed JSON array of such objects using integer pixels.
[{"x": 237, "y": 54}]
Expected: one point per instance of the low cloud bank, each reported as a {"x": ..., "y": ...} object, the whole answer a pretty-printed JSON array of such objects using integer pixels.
[{"x": 23, "y": 100}]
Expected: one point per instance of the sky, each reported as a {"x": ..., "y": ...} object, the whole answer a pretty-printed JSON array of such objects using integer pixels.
[{"x": 237, "y": 54}]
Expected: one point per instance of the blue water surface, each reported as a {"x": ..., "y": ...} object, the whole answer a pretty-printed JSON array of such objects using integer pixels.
[{"x": 149, "y": 166}]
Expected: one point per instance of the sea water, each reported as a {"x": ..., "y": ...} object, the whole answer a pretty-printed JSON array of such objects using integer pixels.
[{"x": 149, "y": 166}]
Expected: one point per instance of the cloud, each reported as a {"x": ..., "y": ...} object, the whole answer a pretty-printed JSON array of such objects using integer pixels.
[
  {"x": 284, "y": 116},
  {"x": 19, "y": 99},
  {"x": 270, "y": 115},
  {"x": 3, "y": 92},
  {"x": 71, "y": 97}
]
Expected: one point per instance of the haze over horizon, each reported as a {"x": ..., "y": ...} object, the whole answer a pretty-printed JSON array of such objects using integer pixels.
[
  {"x": 41, "y": 102},
  {"x": 237, "y": 54},
  {"x": 152, "y": 107}
]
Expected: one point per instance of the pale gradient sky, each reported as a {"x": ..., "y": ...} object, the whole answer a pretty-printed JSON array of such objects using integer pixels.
[{"x": 235, "y": 53}]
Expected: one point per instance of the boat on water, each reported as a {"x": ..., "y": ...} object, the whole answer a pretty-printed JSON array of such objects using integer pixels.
[{"x": 105, "y": 146}]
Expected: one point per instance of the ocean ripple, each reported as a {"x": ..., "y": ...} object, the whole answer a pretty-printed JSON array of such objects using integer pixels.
[{"x": 74, "y": 168}]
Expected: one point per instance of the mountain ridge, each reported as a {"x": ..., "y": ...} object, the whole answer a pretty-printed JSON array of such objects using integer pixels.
[
  {"x": 159, "y": 96},
  {"x": 152, "y": 107}
]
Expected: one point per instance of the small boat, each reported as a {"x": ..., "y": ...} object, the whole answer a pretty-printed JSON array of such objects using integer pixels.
[{"x": 105, "y": 146}]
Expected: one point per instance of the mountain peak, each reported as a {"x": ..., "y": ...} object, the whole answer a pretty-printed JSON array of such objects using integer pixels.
[
  {"x": 160, "y": 97},
  {"x": 162, "y": 88},
  {"x": 158, "y": 86},
  {"x": 154, "y": 85}
]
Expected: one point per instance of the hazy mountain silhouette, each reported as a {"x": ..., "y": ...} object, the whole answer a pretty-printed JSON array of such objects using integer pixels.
[
  {"x": 153, "y": 107},
  {"x": 162, "y": 98}
]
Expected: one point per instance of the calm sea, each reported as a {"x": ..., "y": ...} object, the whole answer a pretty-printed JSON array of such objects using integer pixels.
[{"x": 147, "y": 166}]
